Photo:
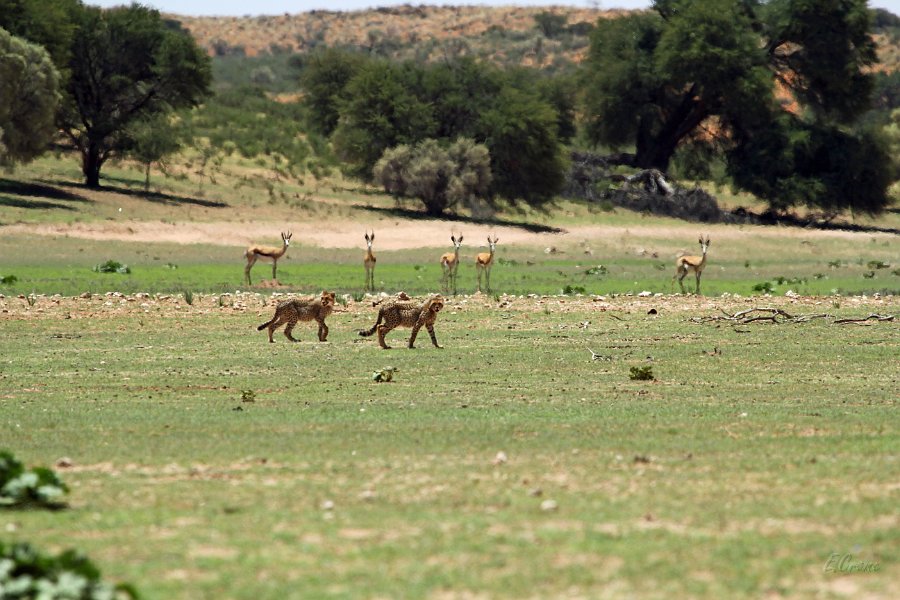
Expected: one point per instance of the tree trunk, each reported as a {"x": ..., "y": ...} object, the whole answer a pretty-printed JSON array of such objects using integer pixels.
[
  {"x": 90, "y": 165},
  {"x": 655, "y": 149}
]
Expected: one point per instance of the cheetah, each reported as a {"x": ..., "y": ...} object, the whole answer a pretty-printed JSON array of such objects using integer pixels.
[
  {"x": 301, "y": 309},
  {"x": 398, "y": 313}
]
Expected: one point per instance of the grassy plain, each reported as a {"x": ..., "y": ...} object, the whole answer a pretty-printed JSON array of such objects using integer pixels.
[
  {"x": 755, "y": 453},
  {"x": 207, "y": 463}
]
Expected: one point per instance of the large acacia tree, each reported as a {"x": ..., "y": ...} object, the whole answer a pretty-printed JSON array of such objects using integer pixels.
[
  {"x": 126, "y": 64},
  {"x": 774, "y": 86}
]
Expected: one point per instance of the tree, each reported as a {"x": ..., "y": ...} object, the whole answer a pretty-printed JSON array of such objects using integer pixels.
[
  {"x": 440, "y": 177},
  {"x": 126, "y": 64},
  {"x": 152, "y": 140},
  {"x": 519, "y": 130},
  {"x": 709, "y": 72},
  {"x": 381, "y": 112},
  {"x": 48, "y": 23},
  {"x": 550, "y": 24},
  {"x": 29, "y": 96},
  {"x": 324, "y": 76}
]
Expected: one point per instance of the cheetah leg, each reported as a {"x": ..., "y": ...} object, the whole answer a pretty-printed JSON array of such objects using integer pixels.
[
  {"x": 382, "y": 331},
  {"x": 412, "y": 336},
  {"x": 323, "y": 331},
  {"x": 433, "y": 337},
  {"x": 287, "y": 332}
]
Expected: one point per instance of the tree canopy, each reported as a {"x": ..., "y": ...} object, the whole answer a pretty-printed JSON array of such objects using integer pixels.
[
  {"x": 775, "y": 87},
  {"x": 29, "y": 96},
  {"x": 47, "y": 23}
]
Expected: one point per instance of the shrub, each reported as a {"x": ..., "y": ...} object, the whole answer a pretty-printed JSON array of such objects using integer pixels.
[
  {"x": 644, "y": 373},
  {"x": 23, "y": 488},
  {"x": 112, "y": 266},
  {"x": 8, "y": 279},
  {"x": 440, "y": 177},
  {"x": 25, "y": 573}
]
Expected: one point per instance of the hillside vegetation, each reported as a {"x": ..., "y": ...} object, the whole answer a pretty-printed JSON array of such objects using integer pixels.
[
  {"x": 500, "y": 33},
  {"x": 504, "y": 33}
]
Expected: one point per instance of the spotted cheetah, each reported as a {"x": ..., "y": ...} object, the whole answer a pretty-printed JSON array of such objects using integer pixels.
[
  {"x": 301, "y": 309},
  {"x": 398, "y": 313}
]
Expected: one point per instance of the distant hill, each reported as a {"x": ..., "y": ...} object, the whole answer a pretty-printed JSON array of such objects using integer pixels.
[{"x": 505, "y": 34}]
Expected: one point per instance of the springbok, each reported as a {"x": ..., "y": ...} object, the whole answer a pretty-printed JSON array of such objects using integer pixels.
[
  {"x": 450, "y": 264},
  {"x": 255, "y": 253},
  {"x": 484, "y": 261},
  {"x": 685, "y": 264},
  {"x": 369, "y": 263}
]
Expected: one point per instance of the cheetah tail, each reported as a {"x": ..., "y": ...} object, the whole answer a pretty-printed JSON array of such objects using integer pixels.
[
  {"x": 367, "y": 333},
  {"x": 264, "y": 325}
]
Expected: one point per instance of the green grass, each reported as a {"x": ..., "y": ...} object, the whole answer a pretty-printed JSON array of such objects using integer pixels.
[
  {"x": 65, "y": 266},
  {"x": 755, "y": 453},
  {"x": 733, "y": 474}
]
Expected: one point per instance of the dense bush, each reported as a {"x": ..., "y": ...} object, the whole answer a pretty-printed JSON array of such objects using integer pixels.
[
  {"x": 29, "y": 96},
  {"x": 441, "y": 177},
  {"x": 25, "y": 573},
  {"x": 23, "y": 488}
]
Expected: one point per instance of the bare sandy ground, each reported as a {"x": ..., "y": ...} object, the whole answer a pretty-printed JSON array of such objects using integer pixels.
[{"x": 392, "y": 234}]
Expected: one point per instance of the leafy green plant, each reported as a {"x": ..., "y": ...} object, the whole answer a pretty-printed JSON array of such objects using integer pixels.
[
  {"x": 574, "y": 289},
  {"x": 869, "y": 275},
  {"x": 836, "y": 264},
  {"x": 599, "y": 271},
  {"x": 765, "y": 287},
  {"x": 26, "y": 573},
  {"x": 877, "y": 264},
  {"x": 24, "y": 488},
  {"x": 643, "y": 373},
  {"x": 8, "y": 279},
  {"x": 112, "y": 266},
  {"x": 248, "y": 396},
  {"x": 188, "y": 297},
  {"x": 31, "y": 299}
]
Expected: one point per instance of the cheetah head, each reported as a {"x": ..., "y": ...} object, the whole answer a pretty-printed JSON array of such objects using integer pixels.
[
  {"x": 327, "y": 298},
  {"x": 436, "y": 303}
]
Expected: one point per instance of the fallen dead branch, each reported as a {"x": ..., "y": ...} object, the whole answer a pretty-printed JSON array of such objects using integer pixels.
[
  {"x": 752, "y": 315},
  {"x": 779, "y": 316},
  {"x": 872, "y": 317}
]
